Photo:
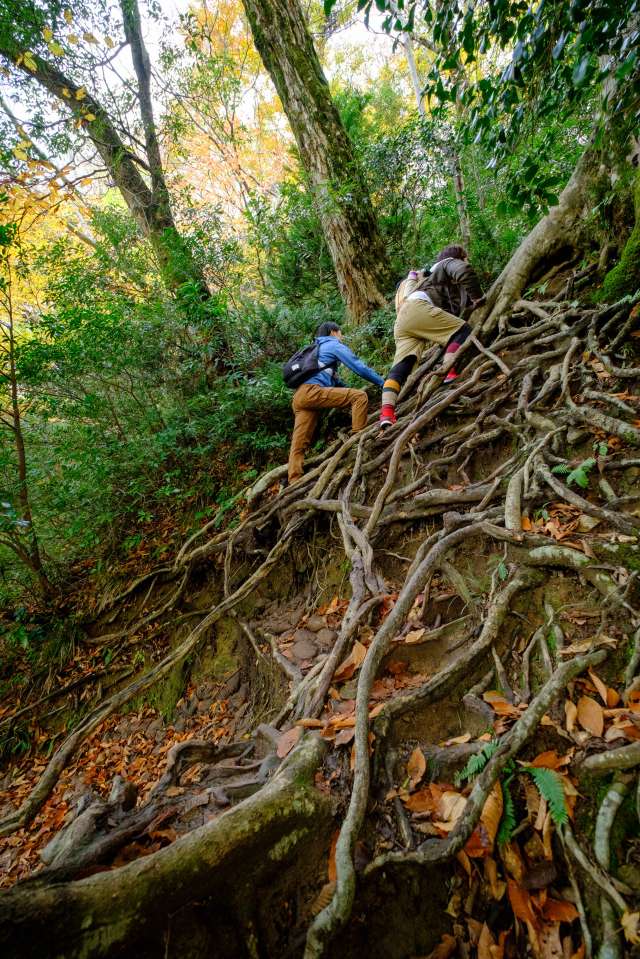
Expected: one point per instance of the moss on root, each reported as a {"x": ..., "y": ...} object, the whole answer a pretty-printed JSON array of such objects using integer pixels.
[{"x": 624, "y": 278}]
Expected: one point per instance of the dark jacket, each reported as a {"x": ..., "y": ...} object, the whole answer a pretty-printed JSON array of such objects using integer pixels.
[{"x": 452, "y": 285}]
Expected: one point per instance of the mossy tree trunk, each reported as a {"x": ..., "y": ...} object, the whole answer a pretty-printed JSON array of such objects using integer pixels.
[
  {"x": 624, "y": 278},
  {"x": 342, "y": 199}
]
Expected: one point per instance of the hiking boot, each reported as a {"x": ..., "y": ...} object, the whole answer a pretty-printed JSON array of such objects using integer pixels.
[
  {"x": 450, "y": 378},
  {"x": 387, "y": 417}
]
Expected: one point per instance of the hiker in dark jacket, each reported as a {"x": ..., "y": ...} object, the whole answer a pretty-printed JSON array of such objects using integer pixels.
[
  {"x": 323, "y": 390},
  {"x": 429, "y": 307}
]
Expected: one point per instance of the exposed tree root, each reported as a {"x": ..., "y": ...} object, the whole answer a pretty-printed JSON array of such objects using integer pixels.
[
  {"x": 474, "y": 462},
  {"x": 110, "y": 911}
]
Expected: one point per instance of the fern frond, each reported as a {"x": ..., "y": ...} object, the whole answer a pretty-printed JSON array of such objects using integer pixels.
[
  {"x": 508, "y": 821},
  {"x": 562, "y": 469},
  {"x": 475, "y": 764},
  {"x": 550, "y": 787}
]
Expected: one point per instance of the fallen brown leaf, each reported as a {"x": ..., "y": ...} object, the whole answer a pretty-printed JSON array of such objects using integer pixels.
[
  {"x": 590, "y": 715},
  {"x": 287, "y": 741},
  {"x": 416, "y": 767},
  {"x": 559, "y": 910},
  {"x": 630, "y": 923}
]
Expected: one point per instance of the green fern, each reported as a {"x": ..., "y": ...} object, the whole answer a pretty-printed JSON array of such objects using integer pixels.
[
  {"x": 550, "y": 787},
  {"x": 580, "y": 475},
  {"x": 475, "y": 764},
  {"x": 508, "y": 821},
  {"x": 562, "y": 469}
]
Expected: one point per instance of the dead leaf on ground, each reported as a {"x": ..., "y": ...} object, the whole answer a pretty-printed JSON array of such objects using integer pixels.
[
  {"x": 287, "y": 741},
  {"x": 521, "y": 904},
  {"x": 600, "y": 686},
  {"x": 485, "y": 942},
  {"x": 323, "y": 898},
  {"x": 416, "y": 767},
  {"x": 457, "y": 740},
  {"x": 353, "y": 661},
  {"x": 414, "y": 636},
  {"x": 481, "y": 841},
  {"x": 513, "y": 861},
  {"x": 497, "y": 886},
  {"x": 630, "y": 923},
  {"x": 421, "y": 801},
  {"x": 332, "y": 873},
  {"x": 449, "y": 809},
  {"x": 559, "y": 910},
  {"x": 550, "y": 760},
  {"x": 571, "y": 715},
  {"x": 444, "y": 950},
  {"x": 590, "y": 715}
]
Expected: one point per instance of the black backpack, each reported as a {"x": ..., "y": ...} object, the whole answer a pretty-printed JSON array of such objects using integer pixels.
[{"x": 303, "y": 365}]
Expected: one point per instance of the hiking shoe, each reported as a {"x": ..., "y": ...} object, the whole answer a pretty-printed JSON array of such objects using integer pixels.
[
  {"x": 387, "y": 418},
  {"x": 450, "y": 378}
]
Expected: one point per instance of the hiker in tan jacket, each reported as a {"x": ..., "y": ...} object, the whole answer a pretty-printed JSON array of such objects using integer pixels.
[{"x": 429, "y": 307}]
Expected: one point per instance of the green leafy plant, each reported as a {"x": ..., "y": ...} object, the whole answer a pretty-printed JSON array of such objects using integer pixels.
[
  {"x": 549, "y": 785},
  {"x": 508, "y": 821},
  {"x": 475, "y": 764},
  {"x": 579, "y": 475}
]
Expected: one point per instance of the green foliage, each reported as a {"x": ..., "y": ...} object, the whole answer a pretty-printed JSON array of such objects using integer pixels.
[
  {"x": 579, "y": 475},
  {"x": 534, "y": 63},
  {"x": 508, "y": 820},
  {"x": 549, "y": 785},
  {"x": 475, "y": 764}
]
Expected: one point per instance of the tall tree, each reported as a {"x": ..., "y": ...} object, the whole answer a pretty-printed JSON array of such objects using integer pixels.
[
  {"x": 344, "y": 206},
  {"x": 17, "y": 531},
  {"x": 38, "y": 44}
]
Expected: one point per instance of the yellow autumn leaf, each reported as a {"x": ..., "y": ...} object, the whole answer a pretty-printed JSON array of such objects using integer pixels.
[
  {"x": 68, "y": 16},
  {"x": 629, "y": 923},
  {"x": 89, "y": 37},
  {"x": 81, "y": 93},
  {"x": 65, "y": 92},
  {"x": 47, "y": 33},
  {"x": 89, "y": 116},
  {"x": 56, "y": 49},
  {"x": 29, "y": 62},
  {"x": 19, "y": 153},
  {"x": 73, "y": 38},
  {"x": 109, "y": 42}
]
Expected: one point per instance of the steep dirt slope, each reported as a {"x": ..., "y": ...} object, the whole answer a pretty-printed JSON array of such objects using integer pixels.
[{"x": 413, "y": 687}]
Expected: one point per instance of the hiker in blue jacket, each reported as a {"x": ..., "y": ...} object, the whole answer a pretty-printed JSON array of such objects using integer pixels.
[{"x": 323, "y": 390}]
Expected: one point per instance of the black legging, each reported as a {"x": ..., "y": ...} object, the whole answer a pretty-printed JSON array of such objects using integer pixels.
[{"x": 400, "y": 371}]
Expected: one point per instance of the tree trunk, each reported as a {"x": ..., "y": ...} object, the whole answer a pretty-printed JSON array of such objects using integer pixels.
[
  {"x": 149, "y": 207},
  {"x": 453, "y": 157},
  {"x": 225, "y": 882},
  {"x": 555, "y": 233},
  {"x": 30, "y": 554},
  {"x": 342, "y": 199}
]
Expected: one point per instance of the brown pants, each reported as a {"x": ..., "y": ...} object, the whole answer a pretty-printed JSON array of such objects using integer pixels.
[{"x": 308, "y": 400}]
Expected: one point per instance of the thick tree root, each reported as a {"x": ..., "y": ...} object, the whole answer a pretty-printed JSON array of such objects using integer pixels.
[{"x": 112, "y": 911}]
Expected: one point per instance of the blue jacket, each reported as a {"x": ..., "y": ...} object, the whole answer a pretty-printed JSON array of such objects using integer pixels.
[{"x": 333, "y": 351}]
